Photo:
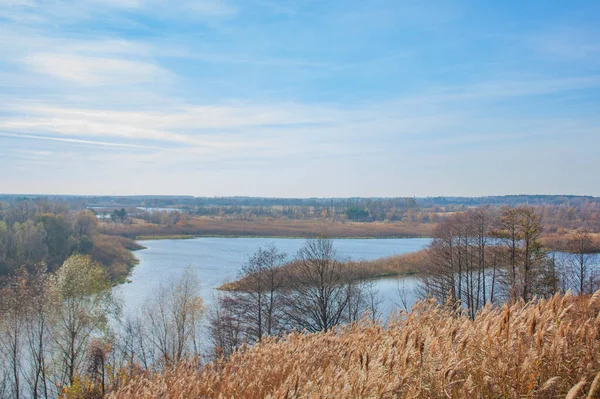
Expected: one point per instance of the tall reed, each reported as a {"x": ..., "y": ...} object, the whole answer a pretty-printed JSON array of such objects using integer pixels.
[{"x": 543, "y": 349}]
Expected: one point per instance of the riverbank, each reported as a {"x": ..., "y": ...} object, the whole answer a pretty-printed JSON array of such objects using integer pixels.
[{"x": 392, "y": 266}]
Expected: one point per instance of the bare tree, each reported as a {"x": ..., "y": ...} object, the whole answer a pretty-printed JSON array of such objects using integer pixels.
[
  {"x": 442, "y": 279},
  {"x": 581, "y": 262},
  {"x": 226, "y": 325},
  {"x": 13, "y": 300},
  {"x": 38, "y": 316},
  {"x": 261, "y": 282},
  {"x": 520, "y": 229},
  {"x": 508, "y": 231},
  {"x": 475, "y": 250},
  {"x": 318, "y": 296},
  {"x": 174, "y": 318}
]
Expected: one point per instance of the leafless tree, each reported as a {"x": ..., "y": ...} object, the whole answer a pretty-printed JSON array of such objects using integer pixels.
[
  {"x": 261, "y": 283},
  {"x": 318, "y": 297},
  {"x": 520, "y": 229},
  {"x": 226, "y": 326},
  {"x": 41, "y": 305},
  {"x": 174, "y": 318},
  {"x": 13, "y": 299},
  {"x": 581, "y": 264}
]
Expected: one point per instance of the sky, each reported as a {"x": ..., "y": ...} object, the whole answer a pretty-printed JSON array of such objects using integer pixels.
[{"x": 299, "y": 98}]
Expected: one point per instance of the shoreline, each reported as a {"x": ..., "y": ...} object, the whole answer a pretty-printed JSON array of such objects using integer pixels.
[{"x": 192, "y": 236}]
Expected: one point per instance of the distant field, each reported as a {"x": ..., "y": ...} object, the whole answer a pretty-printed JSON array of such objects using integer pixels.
[
  {"x": 201, "y": 226},
  {"x": 271, "y": 227},
  {"x": 558, "y": 242}
]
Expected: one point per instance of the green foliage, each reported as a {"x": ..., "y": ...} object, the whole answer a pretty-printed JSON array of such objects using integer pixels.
[
  {"x": 119, "y": 215},
  {"x": 58, "y": 238},
  {"x": 357, "y": 214},
  {"x": 85, "y": 245},
  {"x": 33, "y": 233},
  {"x": 82, "y": 289}
]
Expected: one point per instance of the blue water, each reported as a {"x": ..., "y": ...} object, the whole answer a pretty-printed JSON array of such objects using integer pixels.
[{"x": 217, "y": 260}]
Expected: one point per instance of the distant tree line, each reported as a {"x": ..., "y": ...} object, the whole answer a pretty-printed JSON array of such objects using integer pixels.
[
  {"x": 34, "y": 232},
  {"x": 559, "y": 211}
]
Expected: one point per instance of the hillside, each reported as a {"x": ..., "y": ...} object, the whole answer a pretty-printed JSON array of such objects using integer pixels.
[{"x": 544, "y": 349}]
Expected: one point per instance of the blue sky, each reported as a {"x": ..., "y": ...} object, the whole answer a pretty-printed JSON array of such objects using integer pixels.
[{"x": 299, "y": 98}]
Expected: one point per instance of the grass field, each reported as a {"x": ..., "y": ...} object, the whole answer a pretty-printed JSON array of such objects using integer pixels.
[{"x": 545, "y": 349}]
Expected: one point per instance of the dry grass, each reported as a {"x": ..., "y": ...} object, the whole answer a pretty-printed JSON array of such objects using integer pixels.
[
  {"x": 544, "y": 349},
  {"x": 272, "y": 227},
  {"x": 397, "y": 265},
  {"x": 559, "y": 241},
  {"x": 409, "y": 263},
  {"x": 114, "y": 253}
]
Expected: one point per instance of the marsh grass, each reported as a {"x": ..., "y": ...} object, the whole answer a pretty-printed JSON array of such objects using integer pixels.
[
  {"x": 548, "y": 348},
  {"x": 271, "y": 227},
  {"x": 397, "y": 265}
]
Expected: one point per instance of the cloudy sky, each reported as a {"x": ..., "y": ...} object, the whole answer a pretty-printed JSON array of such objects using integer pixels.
[{"x": 299, "y": 98}]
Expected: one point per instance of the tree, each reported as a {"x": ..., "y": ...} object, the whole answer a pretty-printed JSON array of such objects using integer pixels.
[
  {"x": 38, "y": 319},
  {"x": 520, "y": 229},
  {"x": 466, "y": 262},
  {"x": 4, "y": 241},
  {"x": 254, "y": 309},
  {"x": 58, "y": 238},
  {"x": 82, "y": 289},
  {"x": 318, "y": 296},
  {"x": 508, "y": 231},
  {"x": 174, "y": 318},
  {"x": 13, "y": 299},
  {"x": 26, "y": 244},
  {"x": 119, "y": 215},
  {"x": 355, "y": 213},
  {"x": 261, "y": 283},
  {"x": 226, "y": 325},
  {"x": 581, "y": 262},
  {"x": 85, "y": 224}
]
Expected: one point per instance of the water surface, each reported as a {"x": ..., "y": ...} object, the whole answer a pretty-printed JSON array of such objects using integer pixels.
[{"x": 217, "y": 260}]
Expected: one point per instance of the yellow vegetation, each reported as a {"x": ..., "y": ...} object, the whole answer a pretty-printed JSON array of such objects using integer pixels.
[
  {"x": 396, "y": 265},
  {"x": 544, "y": 349},
  {"x": 210, "y": 226}
]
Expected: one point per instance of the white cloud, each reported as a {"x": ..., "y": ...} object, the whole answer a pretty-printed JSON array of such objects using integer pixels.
[{"x": 93, "y": 71}]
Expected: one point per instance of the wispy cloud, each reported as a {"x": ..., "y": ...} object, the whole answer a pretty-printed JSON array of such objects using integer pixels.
[
  {"x": 76, "y": 141},
  {"x": 262, "y": 98},
  {"x": 94, "y": 71}
]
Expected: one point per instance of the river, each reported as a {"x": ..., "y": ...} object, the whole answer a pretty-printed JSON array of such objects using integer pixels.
[{"x": 217, "y": 260}]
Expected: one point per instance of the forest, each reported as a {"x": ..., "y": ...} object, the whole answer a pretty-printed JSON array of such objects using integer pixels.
[{"x": 40, "y": 231}]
